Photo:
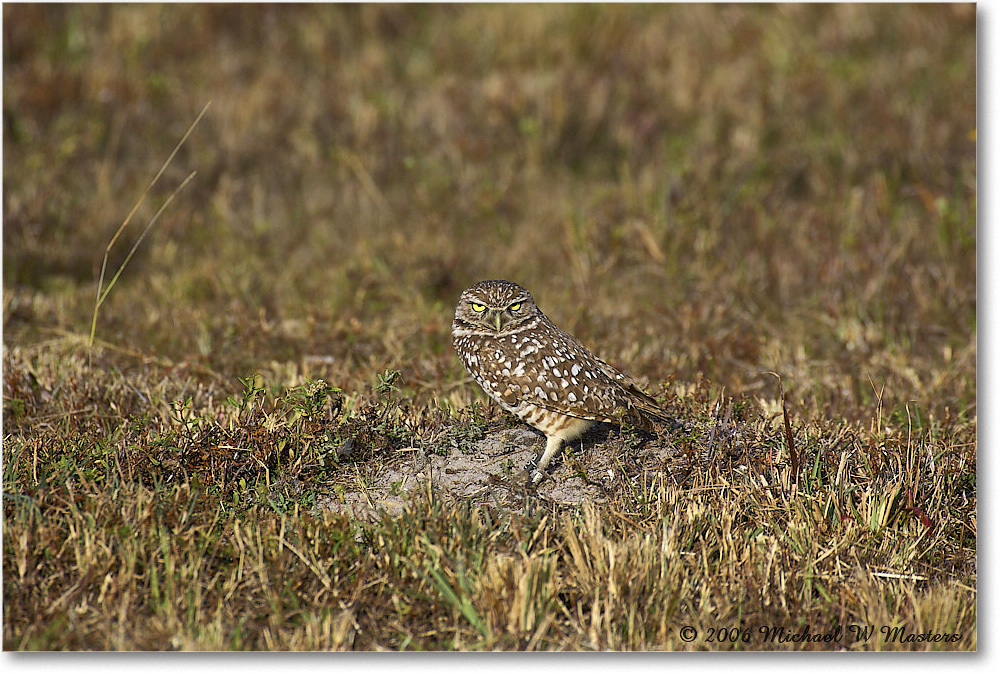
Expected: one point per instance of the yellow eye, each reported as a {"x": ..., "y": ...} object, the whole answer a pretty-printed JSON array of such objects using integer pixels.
[
  {"x": 477, "y": 307},
  {"x": 513, "y": 308}
]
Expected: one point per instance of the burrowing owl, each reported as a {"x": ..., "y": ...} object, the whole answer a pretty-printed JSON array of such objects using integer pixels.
[{"x": 540, "y": 372}]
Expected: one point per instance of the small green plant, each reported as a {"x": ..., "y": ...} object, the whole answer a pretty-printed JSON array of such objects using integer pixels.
[
  {"x": 250, "y": 400},
  {"x": 386, "y": 385},
  {"x": 311, "y": 399}
]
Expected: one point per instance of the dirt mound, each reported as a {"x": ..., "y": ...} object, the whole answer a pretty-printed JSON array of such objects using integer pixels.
[{"x": 493, "y": 470}]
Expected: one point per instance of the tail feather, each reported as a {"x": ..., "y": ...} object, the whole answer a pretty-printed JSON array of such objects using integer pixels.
[
  {"x": 642, "y": 408},
  {"x": 645, "y": 410}
]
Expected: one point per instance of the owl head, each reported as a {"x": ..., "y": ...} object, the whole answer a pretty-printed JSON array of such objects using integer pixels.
[{"x": 495, "y": 307}]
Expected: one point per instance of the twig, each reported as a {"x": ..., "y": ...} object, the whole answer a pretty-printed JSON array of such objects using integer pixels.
[
  {"x": 789, "y": 439},
  {"x": 897, "y": 575}
]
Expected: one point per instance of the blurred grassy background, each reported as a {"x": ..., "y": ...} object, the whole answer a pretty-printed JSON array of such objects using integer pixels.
[
  {"x": 712, "y": 191},
  {"x": 701, "y": 193}
]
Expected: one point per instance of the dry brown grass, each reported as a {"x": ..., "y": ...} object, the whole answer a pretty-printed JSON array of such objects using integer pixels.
[
  {"x": 707, "y": 195},
  {"x": 198, "y": 528}
]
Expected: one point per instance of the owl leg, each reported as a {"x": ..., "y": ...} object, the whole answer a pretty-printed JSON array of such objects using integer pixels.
[{"x": 552, "y": 445}]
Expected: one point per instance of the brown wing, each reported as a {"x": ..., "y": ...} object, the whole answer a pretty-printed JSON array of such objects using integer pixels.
[{"x": 550, "y": 368}]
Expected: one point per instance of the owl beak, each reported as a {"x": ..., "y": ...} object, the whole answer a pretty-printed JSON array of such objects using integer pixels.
[{"x": 496, "y": 320}]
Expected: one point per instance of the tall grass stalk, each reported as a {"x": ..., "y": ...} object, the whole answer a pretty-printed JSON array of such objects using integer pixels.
[{"x": 102, "y": 292}]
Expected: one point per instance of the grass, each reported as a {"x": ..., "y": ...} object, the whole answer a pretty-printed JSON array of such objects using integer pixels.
[
  {"x": 102, "y": 290},
  {"x": 708, "y": 196}
]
